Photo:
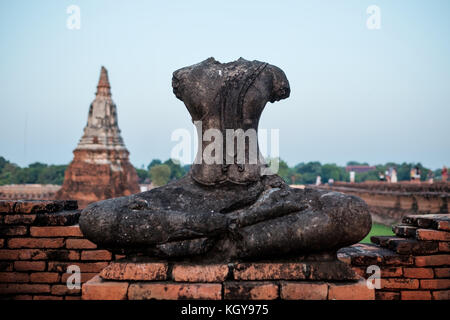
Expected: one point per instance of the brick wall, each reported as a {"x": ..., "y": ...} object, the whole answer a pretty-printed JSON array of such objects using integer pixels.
[
  {"x": 389, "y": 202},
  {"x": 38, "y": 240},
  {"x": 415, "y": 264}
]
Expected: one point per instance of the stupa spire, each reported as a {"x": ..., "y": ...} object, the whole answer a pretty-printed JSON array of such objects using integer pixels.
[
  {"x": 103, "y": 87},
  {"x": 101, "y": 168}
]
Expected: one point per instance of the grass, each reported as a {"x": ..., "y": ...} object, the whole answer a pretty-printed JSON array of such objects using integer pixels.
[{"x": 378, "y": 230}]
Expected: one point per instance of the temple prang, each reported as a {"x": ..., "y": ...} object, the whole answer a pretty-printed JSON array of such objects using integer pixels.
[{"x": 100, "y": 168}]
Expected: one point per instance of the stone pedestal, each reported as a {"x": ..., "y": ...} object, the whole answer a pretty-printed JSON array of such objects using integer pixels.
[{"x": 287, "y": 280}]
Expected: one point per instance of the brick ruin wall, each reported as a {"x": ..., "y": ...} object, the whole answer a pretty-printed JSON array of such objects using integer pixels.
[
  {"x": 40, "y": 239},
  {"x": 389, "y": 202}
]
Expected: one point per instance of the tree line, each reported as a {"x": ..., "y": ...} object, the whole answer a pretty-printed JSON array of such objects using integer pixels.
[{"x": 160, "y": 173}]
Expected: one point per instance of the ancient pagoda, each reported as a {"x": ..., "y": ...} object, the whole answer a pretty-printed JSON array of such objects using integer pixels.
[{"x": 100, "y": 168}]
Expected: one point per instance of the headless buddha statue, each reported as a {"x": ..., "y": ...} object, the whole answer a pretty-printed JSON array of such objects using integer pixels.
[{"x": 229, "y": 206}]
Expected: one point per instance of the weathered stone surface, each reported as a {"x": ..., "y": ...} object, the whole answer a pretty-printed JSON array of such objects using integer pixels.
[
  {"x": 174, "y": 291},
  {"x": 418, "y": 273},
  {"x": 406, "y": 246},
  {"x": 399, "y": 283},
  {"x": 442, "y": 272},
  {"x": 329, "y": 270},
  {"x": 426, "y": 234},
  {"x": 62, "y": 218},
  {"x": 441, "y": 295},
  {"x": 415, "y": 295},
  {"x": 370, "y": 254},
  {"x": 433, "y": 260},
  {"x": 303, "y": 290},
  {"x": 100, "y": 168},
  {"x": 44, "y": 206},
  {"x": 97, "y": 289},
  {"x": 119, "y": 270},
  {"x": 350, "y": 291},
  {"x": 248, "y": 290},
  {"x": 199, "y": 273},
  {"x": 387, "y": 295},
  {"x": 429, "y": 221},
  {"x": 405, "y": 231}
]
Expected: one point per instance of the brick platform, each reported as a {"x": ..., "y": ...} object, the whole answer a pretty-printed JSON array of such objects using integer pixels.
[
  {"x": 162, "y": 280},
  {"x": 415, "y": 264},
  {"x": 38, "y": 241}
]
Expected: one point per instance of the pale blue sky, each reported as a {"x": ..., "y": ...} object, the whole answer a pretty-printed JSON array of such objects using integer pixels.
[{"x": 356, "y": 94}]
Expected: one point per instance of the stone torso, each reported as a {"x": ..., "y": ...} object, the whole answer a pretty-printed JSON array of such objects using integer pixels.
[{"x": 228, "y": 99}]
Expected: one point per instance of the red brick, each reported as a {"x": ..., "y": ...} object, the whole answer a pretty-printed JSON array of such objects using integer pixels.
[
  {"x": 442, "y": 272},
  {"x": 12, "y": 288},
  {"x": 435, "y": 260},
  {"x": 40, "y": 206},
  {"x": 7, "y": 206},
  {"x": 2, "y": 243},
  {"x": 62, "y": 255},
  {"x": 29, "y": 265},
  {"x": 418, "y": 273},
  {"x": 200, "y": 273},
  {"x": 350, "y": 291},
  {"x": 22, "y": 254},
  {"x": 441, "y": 295},
  {"x": 444, "y": 225},
  {"x": 44, "y": 277},
  {"x": 391, "y": 272},
  {"x": 6, "y": 265},
  {"x": 85, "y": 276},
  {"x": 80, "y": 244},
  {"x": 57, "y": 266},
  {"x": 361, "y": 271},
  {"x": 174, "y": 291},
  {"x": 9, "y": 254},
  {"x": 14, "y": 277},
  {"x": 444, "y": 246},
  {"x": 47, "y": 298},
  {"x": 62, "y": 290},
  {"x": 61, "y": 231},
  {"x": 98, "y": 289},
  {"x": 304, "y": 291},
  {"x": 435, "y": 284},
  {"x": 20, "y": 218},
  {"x": 22, "y": 297},
  {"x": 415, "y": 295},
  {"x": 386, "y": 295},
  {"x": 13, "y": 230},
  {"x": 270, "y": 271},
  {"x": 35, "y": 243},
  {"x": 248, "y": 290},
  {"x": 96, "y": 255},
  {"x": 135, "y": 271},
  {"x": 427, "y": 234},
  {"x": 399, "y": 283},
  {"x": 72, "y": 298}
]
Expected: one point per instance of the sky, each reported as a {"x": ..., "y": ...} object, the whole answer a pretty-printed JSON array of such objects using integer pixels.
[{"x": 370, "y": 95}]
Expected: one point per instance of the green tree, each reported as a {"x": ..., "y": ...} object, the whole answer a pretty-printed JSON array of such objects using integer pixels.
[
  {"x": 176, "y": 170},
  {"x": 154, "y": 162},
  {"x": 142, "y": 174},
  {"x": 160, "y": 174}
]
